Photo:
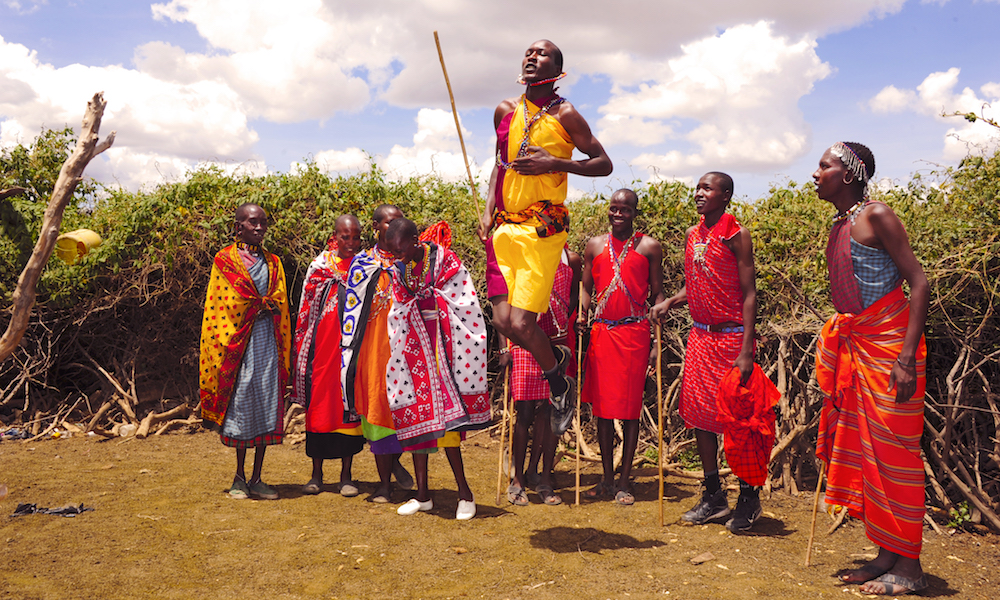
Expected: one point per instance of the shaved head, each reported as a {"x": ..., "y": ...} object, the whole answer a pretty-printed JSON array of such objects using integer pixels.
[
  {"x": 725, "y": 181},
  {"x": 243, "y": 209},
  {"x": 383, "y": 211},
  {"x": 557, "y": 57},
  {"x": 400, "y": 229},
  {"x": 628, "y": 196},
  {"x": 346, "y": 221}
]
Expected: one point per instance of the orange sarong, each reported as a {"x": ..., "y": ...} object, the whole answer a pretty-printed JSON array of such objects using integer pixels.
[{"x": 871, "y": 443}]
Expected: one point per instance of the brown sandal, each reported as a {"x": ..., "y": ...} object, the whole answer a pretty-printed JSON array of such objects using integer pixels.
[{"x": 549, "y": 495}]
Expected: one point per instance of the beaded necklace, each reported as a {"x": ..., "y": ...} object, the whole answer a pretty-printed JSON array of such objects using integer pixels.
[
  {"x": 700, "y": 247},
  {"x": 529, "y": 120},
  {"x": 521, "y": 81},
  {"x": 383, "y": 293},
  {"x": 384, "y": 257},
  {"x": 852, "y": 213},
  {"x": 254, "y": 249},
  {"x": 616, "y": 273},
  {"x": 415, "y": 270}
]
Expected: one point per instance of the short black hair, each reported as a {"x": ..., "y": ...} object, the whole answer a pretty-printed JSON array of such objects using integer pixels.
[
  {"x": 630, "y": 194},
  {"x": 379, "y": 212},
  {"x": 399, "y": 229},
  {"x": 727, "y": 181},
  {"x": 347, "y": 218},
  {"x": 557, "y": 57},
  {"x": 242, "y": 209}
]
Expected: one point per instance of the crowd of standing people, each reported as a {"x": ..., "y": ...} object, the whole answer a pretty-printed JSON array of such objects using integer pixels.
[{"x": 390, "y": 344}]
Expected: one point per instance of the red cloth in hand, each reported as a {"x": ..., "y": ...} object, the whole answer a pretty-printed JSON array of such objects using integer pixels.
[
  {"x": 439, "y": 233},
  {"x": 748, "y": 417}
]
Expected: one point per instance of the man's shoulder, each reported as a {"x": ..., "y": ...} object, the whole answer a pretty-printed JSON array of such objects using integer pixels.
[
  {"x": 648, "y": 243},
  {"x": 596, "y": 243},
  {"x": 506, "y": 106}
]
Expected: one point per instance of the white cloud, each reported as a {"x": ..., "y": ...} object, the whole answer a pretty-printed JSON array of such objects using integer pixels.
[
  {"x": 892, "y": 99},
  {"x": 25, "y": 8},
  {"x": 741, "y": 88},
  {"x": 935, "y": 97},
  {"x": 435, "y": 150},
  {"x": 137, "y": 170},
  {"x": 195, "y": 121},
  {"x": 675, "y": 78},
  {"x": 623, "y": 129},
  {"x": 341, "y": 161},
  {"x": 290, "y": 61}
]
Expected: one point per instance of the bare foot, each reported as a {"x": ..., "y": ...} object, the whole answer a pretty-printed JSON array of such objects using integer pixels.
[{"x": 865, "y": 573}]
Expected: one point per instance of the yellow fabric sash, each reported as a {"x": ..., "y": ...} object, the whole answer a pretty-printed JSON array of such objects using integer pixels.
[{"x": 521, "y": 191}]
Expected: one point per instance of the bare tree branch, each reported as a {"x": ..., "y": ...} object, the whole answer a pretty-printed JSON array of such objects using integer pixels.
[{"x": 70, "y": 176}]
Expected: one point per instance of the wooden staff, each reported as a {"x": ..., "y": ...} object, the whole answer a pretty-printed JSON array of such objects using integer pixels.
[
  {"x": 812, "y": 529},
  {"x": 503, "y": 427},
  {"x": 579, "y": 389},
  {"x": 659, "y": 415},
  {"x": 454, "y": 112}
]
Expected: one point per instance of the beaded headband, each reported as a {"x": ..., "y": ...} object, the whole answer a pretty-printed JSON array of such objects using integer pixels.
[
  {"x": 521, "y": 81},
  {"x": 851, "y": 160}
]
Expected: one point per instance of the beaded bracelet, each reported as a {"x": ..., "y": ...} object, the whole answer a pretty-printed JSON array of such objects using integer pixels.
[{"x": 504, "y": 350}]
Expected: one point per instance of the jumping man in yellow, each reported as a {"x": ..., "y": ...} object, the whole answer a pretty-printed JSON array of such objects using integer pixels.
[{"x": 536, "y": 135}]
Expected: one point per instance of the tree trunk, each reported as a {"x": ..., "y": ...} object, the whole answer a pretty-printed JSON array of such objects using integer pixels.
[{"x": 87, "y": 147}]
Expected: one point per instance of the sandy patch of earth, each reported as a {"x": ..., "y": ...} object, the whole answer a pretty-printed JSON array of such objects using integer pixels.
[{"x": 163, "y": 527}]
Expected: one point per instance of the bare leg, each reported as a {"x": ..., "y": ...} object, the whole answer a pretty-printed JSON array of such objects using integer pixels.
[
  {"x": 525, "y": 415},
  {"x": 258, "y": 462},
  {"x": 241, "y": 459},
  {"x": 383, "y": 462},
  {"x": 537, "y": 439},
  {"x": 546, "y": 441},
  {"x": 630, "y": 430},
  {"x": 606, "y": 441},
  {"x": 521, "y": 327},
  {"x": 458, "y": 468},
  {"x": 708, "y": 449},
  {"x": 317, "y": 473},
  {"x": 420, "y": 475},
  {"x": 345, "y": 469}
]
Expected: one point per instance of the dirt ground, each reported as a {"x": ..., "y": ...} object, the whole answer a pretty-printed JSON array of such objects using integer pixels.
[{"x": 163, "y": 527}]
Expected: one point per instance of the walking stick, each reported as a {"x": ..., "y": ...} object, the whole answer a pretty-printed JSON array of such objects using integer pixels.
[
  {"x": 503, "y": 426},
  {"x": 454, "y": 112},
  {"x": 659, "y": 414},
  {"x": 812, "y": 529},
  {"x": 579, "y": 426}
]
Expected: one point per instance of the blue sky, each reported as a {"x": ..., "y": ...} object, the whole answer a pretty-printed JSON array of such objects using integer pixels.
[{"x": 672, "y": 89}]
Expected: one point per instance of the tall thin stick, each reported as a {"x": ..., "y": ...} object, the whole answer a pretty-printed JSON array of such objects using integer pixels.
[
  {"x": 812, "y": 528},
  {"x": 458, "y": 126},
  {"x": 503, "y": 429},
  {"x": 579, "y": 425},
  {"x": 659, "y": 415}
]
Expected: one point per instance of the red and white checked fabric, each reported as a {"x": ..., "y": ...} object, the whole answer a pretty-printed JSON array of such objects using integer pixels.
[
  {"x": 712, "y": 280},
  {"x": 711, "y": 275},
  {"x": 708, "y": 358},
  {"x": 527, "y": 383}
]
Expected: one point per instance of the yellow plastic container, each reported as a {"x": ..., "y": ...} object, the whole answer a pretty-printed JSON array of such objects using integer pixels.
[{"x": 71, "y": 246}]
